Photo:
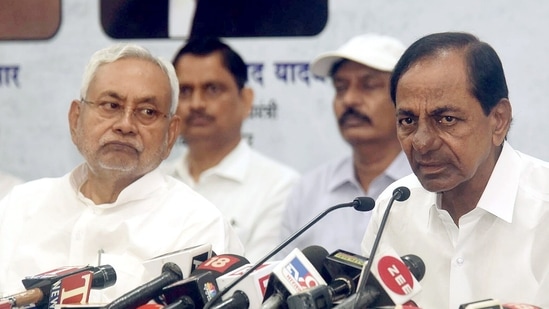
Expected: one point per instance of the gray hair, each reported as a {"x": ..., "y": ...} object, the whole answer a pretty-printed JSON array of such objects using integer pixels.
[{"x": 120, "y": 51}]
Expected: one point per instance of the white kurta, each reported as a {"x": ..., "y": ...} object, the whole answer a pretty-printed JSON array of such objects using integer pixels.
[
  {"x": 250, "y": 189},
  {"x": 48, "y": 223},
  {"x": 499, "y": 249},
  {"x": 7, "y": 182}
]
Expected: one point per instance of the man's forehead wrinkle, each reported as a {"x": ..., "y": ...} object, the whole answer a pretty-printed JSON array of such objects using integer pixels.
[{"x": 424, "y": 94}]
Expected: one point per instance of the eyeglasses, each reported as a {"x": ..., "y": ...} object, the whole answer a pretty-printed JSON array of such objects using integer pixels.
[{"x": 145, "y": 115}]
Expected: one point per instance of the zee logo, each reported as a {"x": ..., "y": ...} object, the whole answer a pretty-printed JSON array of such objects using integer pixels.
[
  {"x": 395, "y": 275},
  {"x": 299, "y": 276}
]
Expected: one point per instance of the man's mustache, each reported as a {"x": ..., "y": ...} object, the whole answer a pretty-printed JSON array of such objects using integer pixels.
[
  {"x": 194, "y": 115},
  {"x": 351, "y": 112}
]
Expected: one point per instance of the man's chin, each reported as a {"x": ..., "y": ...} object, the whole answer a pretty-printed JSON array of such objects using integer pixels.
[
  {"x": 435, "y": 185},
  {"x": 122, "y": 168}
]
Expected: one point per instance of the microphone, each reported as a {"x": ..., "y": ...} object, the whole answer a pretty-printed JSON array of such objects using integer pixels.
[
  {"x": 142, "y": 294},
  {"x": 491, "y": 303},
  {"x": 344, "y": 263},
  {"x": 187, "y": 259},
  {"x": 393, "y": 281},
  {"x": 65, "y": 285},
  {"x": 345, "y": 268},
  {"x": 253, "y": 286},
  {"x": 482, "y": 304},
  {"x": 519, "y": 306},
  {"x": 294, "y": 274},
  {"x": 399, "y": 194},
  {"x": 200, "y": 288},
  {"x": 250, "y": 292},
  {"x": 342, "y": 270},
  {"x": 359, "y": 203}
]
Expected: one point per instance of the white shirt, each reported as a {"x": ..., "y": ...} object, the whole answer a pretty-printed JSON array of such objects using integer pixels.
[
  {"x": 499, "y": 249},
  {"x": 7, "y": 182},
  {"x": 249, "y": 189},
  {"x": 327, "y": 185},
  {"x": 48, "y": 223}
]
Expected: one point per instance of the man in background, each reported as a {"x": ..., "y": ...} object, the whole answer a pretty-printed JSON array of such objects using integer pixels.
[
  {"x": 116, "y": 207},
  {"x": 248, "y": 187},
  {"x": 360, "y": 71}
]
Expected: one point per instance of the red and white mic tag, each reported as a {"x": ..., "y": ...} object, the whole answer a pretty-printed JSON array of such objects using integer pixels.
[{"x": 394, "y": 276}]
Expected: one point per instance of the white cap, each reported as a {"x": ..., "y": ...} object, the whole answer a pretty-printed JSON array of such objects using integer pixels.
[{"x": 376, "y": 51}]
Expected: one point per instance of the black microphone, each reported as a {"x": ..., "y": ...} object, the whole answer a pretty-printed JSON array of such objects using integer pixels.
[
  {"x": 399, "y": 194},
  {"x": 375, "y": 295},
  {"x": 277, "y": 289},
  {"x": 238, "y": 300},
  {"x": 201, "y": 286},
  {"x": 344, "y": 268},
  {"x": 144, "y": 293},
  {"x": 41, "y": 287},
  {"x": 359, "y": 203},
  {"x": 341, "y": 269}
]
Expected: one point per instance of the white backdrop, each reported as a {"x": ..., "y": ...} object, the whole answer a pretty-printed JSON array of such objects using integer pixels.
[{"x": 34, "y": 137}]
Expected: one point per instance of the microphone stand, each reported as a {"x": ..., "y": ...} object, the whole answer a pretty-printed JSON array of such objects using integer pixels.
[{"x": 399, "y": 194}]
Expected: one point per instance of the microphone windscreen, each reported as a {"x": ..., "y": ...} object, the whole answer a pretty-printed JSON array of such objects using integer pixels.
[
  {"x": 316, "y": 255},
  {"x": 401, "y": 194},
  {"x": 172, "y": 268},
  {"x": 415, "y": 264},
  {"x": 103, "y": 277},
  {"x": 364, "y": 203}
]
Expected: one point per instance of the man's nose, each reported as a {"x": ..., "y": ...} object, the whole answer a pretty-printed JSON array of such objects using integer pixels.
[
  {"x": 197, "y": 101},
  {"x": 352, "y": 97},
  {"x": 126, "y": 121},
  {"x": 425, "y": 138}
]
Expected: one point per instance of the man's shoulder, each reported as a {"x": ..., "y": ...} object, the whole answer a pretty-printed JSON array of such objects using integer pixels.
[
  {"x": 45, "y": 185},
  {"x": 169, "y": 166},
  {"x": 328, "y": 168},
  {"x": 320, "y": 181},
  {"x": 9, "y": 179},
  {"x": 179, "y": 190},
  {"x": 184, "y": 199},
  {"x": 263, "y": 161}
]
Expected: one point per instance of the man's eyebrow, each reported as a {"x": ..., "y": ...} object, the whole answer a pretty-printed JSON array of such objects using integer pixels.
[
  {"x": 404, "y": 112},
  {"x": 116, "y": 96},
  {"x": 146, "y": 99},
  {"x": 436, "y": 112},
  {"x": 442, "y": 110},
  {"x": 111, "y": 94}
]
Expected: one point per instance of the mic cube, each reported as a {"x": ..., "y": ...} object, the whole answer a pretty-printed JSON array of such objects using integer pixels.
[
  {"x": 254, "y": 286},
  {"x": 187, "y": 259}
]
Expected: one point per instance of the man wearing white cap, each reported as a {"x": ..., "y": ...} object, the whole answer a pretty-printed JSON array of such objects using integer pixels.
[{"x": 360, "y": 71}]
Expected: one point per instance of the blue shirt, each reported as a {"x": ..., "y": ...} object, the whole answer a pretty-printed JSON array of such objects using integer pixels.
[{"x": 330, "y": 184}]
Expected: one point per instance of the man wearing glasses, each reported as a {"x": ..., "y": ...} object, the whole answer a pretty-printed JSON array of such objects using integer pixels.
[{"x": 117, "y": 204}]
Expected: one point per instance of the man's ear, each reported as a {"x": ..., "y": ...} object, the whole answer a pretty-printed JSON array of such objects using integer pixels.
[
  {"x": 74, "y": 115},
  {"x": 248, "y": 100},
  {"x": 501, "y": 116},
  {"x": 173, "y": 133}
]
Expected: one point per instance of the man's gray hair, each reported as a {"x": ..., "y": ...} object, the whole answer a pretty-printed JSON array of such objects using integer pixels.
[{"x": 120, "y": 51}]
